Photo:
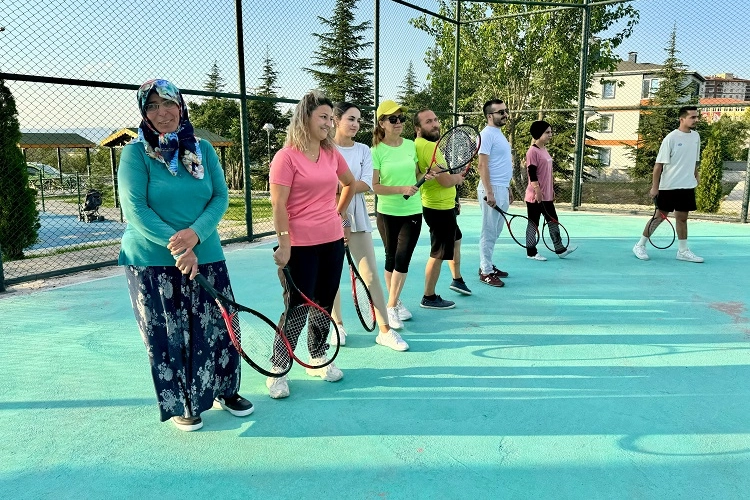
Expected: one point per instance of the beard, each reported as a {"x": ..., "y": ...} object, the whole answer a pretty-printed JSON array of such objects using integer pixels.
[
  {"x": 499, "y": 122},
  {"x": 432, "y": 136}
]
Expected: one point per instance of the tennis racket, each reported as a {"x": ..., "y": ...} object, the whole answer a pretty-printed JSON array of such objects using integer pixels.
[
  {"x": 361, "y": 295},
  {"x": 306, "y": 323},
  {"x": 251, "y": 333},
  {"x": 661, "y": 233},
  {"x": 458, "y": 146},
  {"x": 554, "y": 234},
  {"x": 527, "y": 231}
]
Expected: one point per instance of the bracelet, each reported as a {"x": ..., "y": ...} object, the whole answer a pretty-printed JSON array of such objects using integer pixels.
[
  {"x": 282, "y": 233},
  {"x": 345, "y": 223}
]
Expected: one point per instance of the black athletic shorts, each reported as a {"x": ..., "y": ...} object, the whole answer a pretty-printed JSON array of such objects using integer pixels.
[
  {"x": 676, "y": 200},
  {"x": 444, "y": 232}
]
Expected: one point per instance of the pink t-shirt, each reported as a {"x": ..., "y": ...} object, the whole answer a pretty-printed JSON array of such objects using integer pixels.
[
  {"x": 543, "y": 161},
  {"x": 312, "y": 197}
]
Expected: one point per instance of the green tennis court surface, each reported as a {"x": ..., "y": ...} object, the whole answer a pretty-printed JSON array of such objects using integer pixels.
[{"x": 598, "y": 376}]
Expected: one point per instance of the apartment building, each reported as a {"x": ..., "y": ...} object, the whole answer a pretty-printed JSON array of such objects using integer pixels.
[{"x": 726, "y": 86}]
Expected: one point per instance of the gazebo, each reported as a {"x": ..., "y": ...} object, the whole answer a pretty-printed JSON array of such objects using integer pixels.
[{"x": 48, "y": 140}]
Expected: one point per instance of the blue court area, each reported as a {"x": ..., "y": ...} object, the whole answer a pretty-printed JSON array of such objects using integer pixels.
[
  {"x": 599, "y": 376},
  {"x": 64, "y": 230}
]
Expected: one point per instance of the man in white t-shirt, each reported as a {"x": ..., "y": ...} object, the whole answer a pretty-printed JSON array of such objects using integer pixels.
[
  {"x": 495, "y": 174},
  {"x": 674, "y": 180}
]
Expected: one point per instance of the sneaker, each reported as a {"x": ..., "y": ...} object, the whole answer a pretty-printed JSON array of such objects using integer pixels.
[
  {"x": 393, "y": 340},
  {"x": 393, "y": 320},
  {"x": 329, "y": 373},
  {"x": 187, "y": 424},
  {"x": 278, "y": 387},
  {"x": 491, "y": 279},
  {"x": 460, "y": 287},
  {"x": 539, "y": 257},
  {"x": 437, "y": 303},
  {"x": 403, "y": 313},
  {"x": 688, "y": 256},
  {"x": 640, "y": 252},
  {"x": 567, "y": 251},
  {"x": 499, "y": 273},
  {"x": 236, "y": 405},
  {"x": 342, "y": 336}
]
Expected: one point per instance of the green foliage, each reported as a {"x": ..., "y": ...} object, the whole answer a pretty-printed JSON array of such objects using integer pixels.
[
  {"x": 19, "y": 219},
  {"x": 709, "y": 191},
  {"x": 343, "y": 75},
  {"x": 530, "y": 61},
  {"x": 214, "y": 81},
  {"x": 731, "y": 136},
  {"x": 675, "y": 90}
]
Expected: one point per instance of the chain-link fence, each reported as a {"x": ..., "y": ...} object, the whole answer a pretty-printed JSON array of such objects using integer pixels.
[{"x": 74, "y": 90}]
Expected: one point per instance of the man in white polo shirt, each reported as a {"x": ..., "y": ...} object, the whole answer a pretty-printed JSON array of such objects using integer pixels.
[
  {"x": 674, "y": 180},
  {"x": 495, "y": 174}
]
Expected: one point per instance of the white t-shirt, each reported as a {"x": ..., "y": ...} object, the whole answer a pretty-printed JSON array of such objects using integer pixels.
[
  {"x": 359, "y": 159},
  {"x": 496, "y": 146},
  {"x": 679, "y": 152}
]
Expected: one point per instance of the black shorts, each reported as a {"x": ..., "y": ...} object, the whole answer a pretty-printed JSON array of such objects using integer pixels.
[
  {"x": 444, "y": 232},
  {"x": 676, "y": 200}
]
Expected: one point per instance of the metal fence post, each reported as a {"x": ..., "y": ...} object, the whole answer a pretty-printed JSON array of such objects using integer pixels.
[
  {"x": 580, "y": 118},
  {"x": 244, "y": 125},
  {"x": 746, "y": 197},
  {"x": 2, "y": 276}
]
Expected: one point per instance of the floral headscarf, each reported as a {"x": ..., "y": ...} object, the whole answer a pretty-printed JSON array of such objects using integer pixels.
[{"x": 167, "y": 148}]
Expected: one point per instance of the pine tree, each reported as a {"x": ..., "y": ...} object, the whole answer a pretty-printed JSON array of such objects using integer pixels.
[
  {"x": 708, "y": 192},
  {"x": 343, "y": 75},
  {"x": 409, "y": 87},
  {"x": 214, "y": 82},
  {"x": 19, "y": 218},
  {"x": 675, "y": 90}
]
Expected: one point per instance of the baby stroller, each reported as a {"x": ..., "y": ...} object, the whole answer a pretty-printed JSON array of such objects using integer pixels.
[{"x": 89, "y": 212}]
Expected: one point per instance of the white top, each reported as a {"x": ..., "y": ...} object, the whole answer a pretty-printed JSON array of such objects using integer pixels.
[
  {"x": 679, "y": 152},
  {"x": 359, "y": 159},
  {"x": 496, "y": 146}
]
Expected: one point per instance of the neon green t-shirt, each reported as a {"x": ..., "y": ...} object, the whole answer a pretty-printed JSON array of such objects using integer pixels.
[
  {"x": 434, "y": 195},
  {"x": 396, "y": 167}
]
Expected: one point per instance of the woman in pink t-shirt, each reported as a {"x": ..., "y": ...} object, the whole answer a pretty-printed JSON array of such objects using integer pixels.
[
  {"x": 304, "y": 176},
  {"x": 540, "y": 192}
]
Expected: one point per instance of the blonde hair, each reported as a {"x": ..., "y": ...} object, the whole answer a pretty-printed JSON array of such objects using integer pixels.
[
  {"x": 378, "y": 133},
  {"x": 298, "y": 132}
]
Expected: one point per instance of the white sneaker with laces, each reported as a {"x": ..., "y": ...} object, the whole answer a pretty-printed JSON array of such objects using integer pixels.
[
  {"x": 329, "y": 373},
  {"x": 278, "y": 387},
  {"x": 393, "y": 320},
  {"x": 403, "y": 313},
  {"x": 640, "y": 252},
  {"x": 393, "y": 340},
  {"x": 342, "y": 335},
  {"x": 688, "y": 256},
  {"x": 539, "y": 257},
  {"x": 568, "y": 251}
]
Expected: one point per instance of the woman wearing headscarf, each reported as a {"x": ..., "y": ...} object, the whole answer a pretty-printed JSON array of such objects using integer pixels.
[{"x": 173, "y": 195}]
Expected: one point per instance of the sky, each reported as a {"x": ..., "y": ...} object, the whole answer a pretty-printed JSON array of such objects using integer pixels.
[{"x": 130, "y": 41}]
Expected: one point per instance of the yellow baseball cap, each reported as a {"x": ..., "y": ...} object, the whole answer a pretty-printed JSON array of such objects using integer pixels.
[{"x": 388, "y": 108}]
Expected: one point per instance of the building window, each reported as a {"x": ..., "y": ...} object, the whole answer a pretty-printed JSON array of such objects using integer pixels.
[
  {"x": 606, "y": 122},
  {"x": 650, "y": 86},
  {"x": 604, "y": 156},
  {"x": 608, "y": 90}
]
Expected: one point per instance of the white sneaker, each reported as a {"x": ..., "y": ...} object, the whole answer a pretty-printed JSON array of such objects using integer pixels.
[
  {"x": 640, "y": 252},
  {"x": 329, "y": 373},
  {"x": 567, "y": 251},
  {"x": 341, "y": 338},
  {"x": 393, "y": 340},
  {"x": 393, "y": 320},
  {"x": 538, "y": 257},
  {"x": 403, "y": 313},
  {"x": 278, "y": 387},
  {"x": 688, "y": 256}
]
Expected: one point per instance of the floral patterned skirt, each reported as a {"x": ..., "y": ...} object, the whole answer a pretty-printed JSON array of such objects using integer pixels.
[{"x": 192, "y": 359}]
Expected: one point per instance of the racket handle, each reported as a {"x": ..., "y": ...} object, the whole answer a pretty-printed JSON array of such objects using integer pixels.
[
  {"x": 206, "y": 286},
  {"x": 417, "y": 185}
]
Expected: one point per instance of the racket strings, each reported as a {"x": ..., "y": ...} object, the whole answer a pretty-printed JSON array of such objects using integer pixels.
[
  {"x": 556, "y": 236},
  {"x": 308, "y": 326},
  {"x": 363, "y": 302},
  {"x": 661, "y": 233},
  {"x": 257, "y": 340},
  {"x": 458, "y": 148},
  {"x": 532, "y": 235}
]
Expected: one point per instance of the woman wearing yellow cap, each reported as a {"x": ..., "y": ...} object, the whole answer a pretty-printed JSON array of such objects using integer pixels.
[{"x": 394, "y": 163}]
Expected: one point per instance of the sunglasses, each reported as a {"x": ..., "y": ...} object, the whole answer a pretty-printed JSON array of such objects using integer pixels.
[
  {"x": 500, "y": 112},
  {"x": 393, "y": 119}
]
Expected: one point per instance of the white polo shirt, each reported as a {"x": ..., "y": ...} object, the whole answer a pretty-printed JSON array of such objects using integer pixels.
[{"x": 679, "y": 153}]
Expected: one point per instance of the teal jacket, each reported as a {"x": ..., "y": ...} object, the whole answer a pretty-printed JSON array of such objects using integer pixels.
[{"x": 157, "y": 204}]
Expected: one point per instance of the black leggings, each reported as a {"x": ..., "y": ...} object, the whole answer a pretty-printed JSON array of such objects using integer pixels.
[
  {"x": 400, "y": 234},
  {"x": 534, "y": 211}
]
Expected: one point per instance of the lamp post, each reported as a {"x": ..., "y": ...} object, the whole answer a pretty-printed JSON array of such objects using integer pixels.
[{"x": 268, "y": 127}]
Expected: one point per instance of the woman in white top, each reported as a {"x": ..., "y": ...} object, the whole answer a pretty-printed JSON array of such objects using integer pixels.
[{"x": 347, "y": 118}]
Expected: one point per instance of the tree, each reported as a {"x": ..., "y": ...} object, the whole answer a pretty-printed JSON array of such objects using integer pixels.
[
  {"x": 19, "y": 218},
  {"x": 344, "y": 75},
  {"x": 214, "y": 82},
  {"x": 530, "y": 61},
  {"x": 708, "y": 192},
  {"x": 675, "y": 90}
]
